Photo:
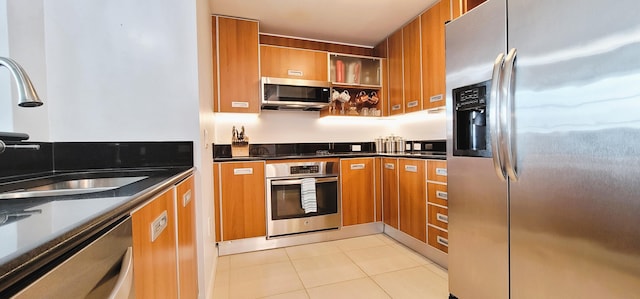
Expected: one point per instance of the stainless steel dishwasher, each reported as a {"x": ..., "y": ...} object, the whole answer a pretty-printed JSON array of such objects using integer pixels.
[{"x": 102, "y": 269}]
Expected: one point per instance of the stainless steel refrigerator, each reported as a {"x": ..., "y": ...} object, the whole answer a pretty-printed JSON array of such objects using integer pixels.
[{"x": 543, "y": 137}]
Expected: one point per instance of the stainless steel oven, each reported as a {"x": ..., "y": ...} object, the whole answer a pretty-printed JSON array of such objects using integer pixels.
[{"x": 302, "y": 197}]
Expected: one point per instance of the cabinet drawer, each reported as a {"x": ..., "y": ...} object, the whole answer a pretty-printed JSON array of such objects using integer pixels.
[
  {"x": 437, "y": 171},
  {"x": 437, "y": 194},
  {"x": 438, "y": 239},
  {"x": 438, "y": 216}
]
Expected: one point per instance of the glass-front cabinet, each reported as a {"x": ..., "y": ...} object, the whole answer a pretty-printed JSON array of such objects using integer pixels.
[{"x": 357, "y": 85}]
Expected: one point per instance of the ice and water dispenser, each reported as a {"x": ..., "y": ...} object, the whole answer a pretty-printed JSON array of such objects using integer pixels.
[{"x": 470, "y": 116}]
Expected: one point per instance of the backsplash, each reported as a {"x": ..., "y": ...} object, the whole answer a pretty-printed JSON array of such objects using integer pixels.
[
  {"x": 69, "y": 156},
  {"x": 287, "y": 149}
]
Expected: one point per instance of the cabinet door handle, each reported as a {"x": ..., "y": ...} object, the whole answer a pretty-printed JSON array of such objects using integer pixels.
[
  {"x": 411, "y": 168},
  {"x": 389, "y": 166},
  {"x": 441, "y": 171},
  {"x": 396, "y": 107},
  {"x": 357, "y": 166},
  {"x": 442, "y": 241},
  {"x": 240, "y": 104},
  {"x": 441, "y": 195},
  {"x": 436, "y": 98},
  {"x": 412, "y": 104},
  {"x": 242, "y": 171},
  {"x": 442, "y": 218},
  {"x": 158, "y": 225},
  {"x": 296, "y": 73},
  {"x": 186, "y": 198}
]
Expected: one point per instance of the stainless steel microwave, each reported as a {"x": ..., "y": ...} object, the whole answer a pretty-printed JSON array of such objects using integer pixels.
[{"x": 295, "y": 94}]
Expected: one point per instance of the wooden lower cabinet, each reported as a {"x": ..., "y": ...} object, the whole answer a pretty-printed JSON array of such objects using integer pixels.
[
  {"x": 413, "y": 204},
  {"x": 154, "y": 259},
  {"x": 390, "y": 192},
  {"x": 186, "y": 234},
  {"x": 240, "y": 200},
  {"x": 437, "y": 203},
  {"x": 439, "y": 239},
  {"x": 437, "y": 194},
  {"x": 357, "y": 190}
]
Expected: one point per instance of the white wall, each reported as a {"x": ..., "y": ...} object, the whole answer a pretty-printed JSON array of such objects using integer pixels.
[
  {"x": 25, "y": 24},
  {"x": 207, "y": 252},
  {"x": 123, "y": 70},
  {"x": 300, "y": 126},
  {"x": 6, "y": 103}
]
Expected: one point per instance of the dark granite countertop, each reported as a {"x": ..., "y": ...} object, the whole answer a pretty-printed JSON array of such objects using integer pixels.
[
  {"x": 38, "y": 233},
  {"x": 415, "y": 155}
]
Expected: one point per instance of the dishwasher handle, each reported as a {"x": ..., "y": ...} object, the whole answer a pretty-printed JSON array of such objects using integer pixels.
[{"x": 124, "y": 286}]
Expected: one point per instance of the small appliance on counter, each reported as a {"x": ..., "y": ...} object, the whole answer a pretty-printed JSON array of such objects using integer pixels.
[
  {"x": 390, "y": 144},
  {"x": 239, "y": 143}
]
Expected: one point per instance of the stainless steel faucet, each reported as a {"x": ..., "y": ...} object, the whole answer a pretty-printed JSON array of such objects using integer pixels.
[{"x": 27, "y": 96}]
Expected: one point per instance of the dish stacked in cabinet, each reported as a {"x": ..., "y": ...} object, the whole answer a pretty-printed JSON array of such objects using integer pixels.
[{"x": 437, "y": 205}]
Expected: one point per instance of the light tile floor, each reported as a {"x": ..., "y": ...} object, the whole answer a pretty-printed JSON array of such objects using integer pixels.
[{"x": 368, "y": 267}]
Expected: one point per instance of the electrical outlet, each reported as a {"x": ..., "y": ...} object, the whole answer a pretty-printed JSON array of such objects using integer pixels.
[
  {"x": 417, "y": 146},
  {"x": 356, "y": 147}
]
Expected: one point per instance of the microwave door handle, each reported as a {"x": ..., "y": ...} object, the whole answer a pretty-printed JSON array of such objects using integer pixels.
[
  {"x": 508, "y": 90},
  {"x": 494, "y": 119}
]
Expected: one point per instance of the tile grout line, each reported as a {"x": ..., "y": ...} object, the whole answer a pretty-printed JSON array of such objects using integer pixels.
[
  {"x": 297, "y": 273},
  {"x": 365, "y": 273}
]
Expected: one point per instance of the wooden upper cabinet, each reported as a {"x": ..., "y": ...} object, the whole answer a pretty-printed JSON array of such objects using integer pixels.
[
  {"x": 357, "y": 188},
  {"x": 187, "y": 257},
  {"x": 411, "y": 51},
  {"x": 395, "y": 64},
  {"x": 154, "y": 254},
  {"x": 237, "y": 74},
  {"x": 433, "y": 54},
  {"x": 413, "y": 203},
  {"x": 241, "y": 200},
  {"x": 280, "y": 62},
  {"x": 457, "y": 8}
]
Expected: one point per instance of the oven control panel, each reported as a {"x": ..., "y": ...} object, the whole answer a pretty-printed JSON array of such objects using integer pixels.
[{"x": 304, "y": 169}]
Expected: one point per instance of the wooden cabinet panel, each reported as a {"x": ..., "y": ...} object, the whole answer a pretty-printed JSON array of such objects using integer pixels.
[
  {"x": 411, "y": 51},
  {"x": 438, "y": 216},
  {"x": 214, "y": 54},
  {"x": 437, "y": 194},
  {"x": 238, "y": 76},
  {"x": 357, "y": 189},
  {"x": 154, "y": 261},
  {"x": 437, "y": 170},
  {"x": 282, "y": 62},
  {"x": 413, "y": 203},
  {"x": 187, "y": 257},
  {"x": 217, "y": 192},
  {"x": 242, "y": 200},
  {"x": 390, "y": 191},
  {"x": 457, "y": 8},
  {"x": 395, "y": 64},
  {"x": 439, "y": 239},
  {"x": 378, "y": 190},
  {"x": 433, "y": 54}
]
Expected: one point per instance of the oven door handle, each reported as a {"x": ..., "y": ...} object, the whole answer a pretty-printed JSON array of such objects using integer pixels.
[{"x": 299, "y": 181}]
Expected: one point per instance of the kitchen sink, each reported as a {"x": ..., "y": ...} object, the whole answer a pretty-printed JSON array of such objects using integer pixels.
[{"x": 68, "y": 187}]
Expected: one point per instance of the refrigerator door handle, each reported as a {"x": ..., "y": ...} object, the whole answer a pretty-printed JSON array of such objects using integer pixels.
[
  {"x": 493, "y": 104},
  {"x": 508, "y": 115}
]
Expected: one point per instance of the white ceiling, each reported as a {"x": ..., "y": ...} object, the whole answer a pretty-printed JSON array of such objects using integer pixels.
[{"x": 357, "y": 22}]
